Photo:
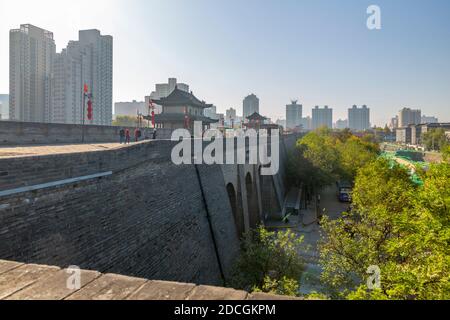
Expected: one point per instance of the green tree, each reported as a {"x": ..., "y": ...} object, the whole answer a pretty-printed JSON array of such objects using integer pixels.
[
  {"x": 399, "y": 227},
  {"x": 355, "y": 153},
  {"x": 435, "y": 140},
  {"x": 125, "y": 121},
  {"x": 269, "y": 262},
  {"x": 323, "y": 156}
]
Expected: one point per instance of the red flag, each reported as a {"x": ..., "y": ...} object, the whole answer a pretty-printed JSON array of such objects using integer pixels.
[
  {"x": 86, "y": 88},
  {"x": 153, "y": 119}
]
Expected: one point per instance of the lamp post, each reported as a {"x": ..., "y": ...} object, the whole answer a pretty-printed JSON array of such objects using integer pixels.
[{"x": 83, "y": 122}]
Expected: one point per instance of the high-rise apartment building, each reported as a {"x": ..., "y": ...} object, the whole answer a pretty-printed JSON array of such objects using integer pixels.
[
  {"x": 86, "y": 61},
  {"x": 359, "y": 118},
  {"x": 4, "y": 109},
  {"x": 251, "y": 105},
  {"x": 408, "y": 116},
  {"x": 163, "y": 90},
  {"x": 322, "y": 117},
  {"x": 31, "y": 54},
  {"x": 294, "y": 115}
]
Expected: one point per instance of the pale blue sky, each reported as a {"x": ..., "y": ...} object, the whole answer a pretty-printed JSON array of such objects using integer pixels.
[{"x": 319, "y": 52}]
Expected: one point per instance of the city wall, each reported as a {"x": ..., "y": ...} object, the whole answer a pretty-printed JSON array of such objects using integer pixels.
[
  {"x": 132, "y": 211},
  {"x": 29, "y": 133}
]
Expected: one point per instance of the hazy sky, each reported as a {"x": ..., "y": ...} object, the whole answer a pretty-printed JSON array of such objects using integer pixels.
[{"x": 319, "y": 52}]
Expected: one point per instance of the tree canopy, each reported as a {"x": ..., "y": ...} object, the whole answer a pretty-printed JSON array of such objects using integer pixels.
[
  {"x": 397, "y": 226},
  {"x": 324, "y": 156}
]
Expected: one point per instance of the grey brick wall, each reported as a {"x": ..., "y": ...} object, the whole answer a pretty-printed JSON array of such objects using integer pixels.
[
  {"x": 148, "y": 219},
  {"x": 29, "y": 133}
]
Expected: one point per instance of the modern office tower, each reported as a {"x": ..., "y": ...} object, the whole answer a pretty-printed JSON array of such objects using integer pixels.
[
  {"x": 322, "y": 117},
  {"x": 341, "y": 124},
  {"x": 408, "y": 116},
  {"x": 31, "y": 53},
  {"x": 294, "y": 115},
  {"x": 231, "y": 116},
  {"x": 394, "y": 123},
  {"x": 359, "y": 118},
  {"x": 86, "y": 61},
  {"x": 426, "y": 119},
  {"x": 251, "y": 105},
  {"x": 130, "y": 108},
  {"x": 163, "y": 90},
  {"x": 4, "y": 110}
]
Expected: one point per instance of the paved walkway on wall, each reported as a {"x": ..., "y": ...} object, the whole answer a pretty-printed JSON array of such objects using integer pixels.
[
  {"x": 30, "y": 151},
  {"x": 20, "y": 281}
]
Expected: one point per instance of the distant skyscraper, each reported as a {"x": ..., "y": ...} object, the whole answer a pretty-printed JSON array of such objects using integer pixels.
[
  {"x": 86, "y": 61},
  {"x": 394, "y": 123},
  {"x": 322, "y": 117},
  {"x": 306, "y": 123},
  {"x": 426, "y": 119},
  {"x": 251, "y": 105},
  {"x": 408, "y": 116},
  {"x": 294, "y": 115},
  {"x": 31, "y": 53},
  {"x": 163, "y": 90},
  {"x": 4, "y": 110},
  {"x": 231, "y": 116},
  {"x": 341, "y": 124},
  {"x": 359, "y": 118}
]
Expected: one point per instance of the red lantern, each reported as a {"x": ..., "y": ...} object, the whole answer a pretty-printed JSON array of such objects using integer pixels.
[
  {"x": 86, "y": 88},
  {"x": 90, "y": 110}
]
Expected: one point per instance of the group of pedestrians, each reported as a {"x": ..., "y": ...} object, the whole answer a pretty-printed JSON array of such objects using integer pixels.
[{"x": 125, "y": 135}]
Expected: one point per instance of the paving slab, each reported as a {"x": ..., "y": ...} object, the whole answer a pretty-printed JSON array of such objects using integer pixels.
[
  {"x": 23, "y": 276},
  {"x": 215, "y": 293},
  {"x": 8, "y": 265},
  {"x": 160, "y": 290},
  {"x": 109, "y": 287},
  {"x": 54, "y": 287}
]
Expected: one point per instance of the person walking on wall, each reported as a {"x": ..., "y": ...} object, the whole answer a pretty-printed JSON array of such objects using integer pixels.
[
  {"x": 127, "y": 136},
  {"x": 137, "y": 134},
  {"x": 122, "y": 136}
]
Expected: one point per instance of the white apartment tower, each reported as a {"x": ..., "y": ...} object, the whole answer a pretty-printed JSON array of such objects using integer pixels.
[
  {"x": 86, "y": 61},
  {"x": 322, "y": 117},
  {"x": 163, "y": 90},
  {"x": 294, "y": 115},
  {"x": 31, "y": 54},
  {"x": 359, "y": 118}
]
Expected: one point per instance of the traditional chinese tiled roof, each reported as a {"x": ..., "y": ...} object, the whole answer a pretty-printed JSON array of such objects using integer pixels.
[
  {"x": 180, "y": 117},
  {"x": 181, "y": 98},
  {"x": 256, "y": 117}
]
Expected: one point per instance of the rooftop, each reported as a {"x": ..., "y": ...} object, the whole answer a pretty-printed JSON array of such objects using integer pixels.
[{"x": 179, "y": 98}]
